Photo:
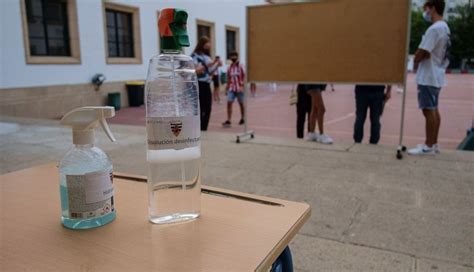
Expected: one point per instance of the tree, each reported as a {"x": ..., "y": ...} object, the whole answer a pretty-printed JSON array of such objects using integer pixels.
[
  {"x": 462, "y": 35},
  {"x": 418, "y": 28}
]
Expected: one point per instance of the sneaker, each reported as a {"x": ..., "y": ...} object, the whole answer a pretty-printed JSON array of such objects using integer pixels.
[
  {"x": 226, "y": 124},
  {"x": 312, "y": 137},
  {"x": 242, "y": 121},
  {"x": 422, "y": 149},
  {"x": 436, "y": 148},
  {"x": 325, "y": 139}
]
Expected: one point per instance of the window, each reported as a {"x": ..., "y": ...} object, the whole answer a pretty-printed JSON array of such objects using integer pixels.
[
  {"x": 232, "y": 39},
  {"x": 122, "y": 34},
  {"x": 205, "y": 28},
  {"x": 50, "y": 31},
  {"x": 119, "y": 34}
]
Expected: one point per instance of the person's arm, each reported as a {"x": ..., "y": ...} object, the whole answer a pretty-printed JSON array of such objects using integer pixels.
[
  {"x": 242, "y": 76},
  {"x": 200, "y": 69},
  {"x": 388, "y": 93},
  {"x": 420, "y": 55},
  {"x": 228, "y": 78},
  {"x": 427, "y": 45}
]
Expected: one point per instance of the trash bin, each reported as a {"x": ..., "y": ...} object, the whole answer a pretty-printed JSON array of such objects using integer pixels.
[
  {"x": 113, "y": 100},
  {"x": 135, "y": 91}
]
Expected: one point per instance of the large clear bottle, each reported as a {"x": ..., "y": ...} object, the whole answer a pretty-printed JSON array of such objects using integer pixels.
[
  {"x": 85, "y": 164},
  {"x": 173, "y": 139}
]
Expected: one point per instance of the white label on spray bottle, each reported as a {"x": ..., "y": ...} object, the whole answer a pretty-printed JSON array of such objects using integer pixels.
[
  {"x": 90, "y": 195},
  {"x": 173, "y": 132}
]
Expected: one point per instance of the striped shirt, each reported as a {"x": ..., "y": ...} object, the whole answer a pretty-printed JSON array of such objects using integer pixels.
[
  {"x": 235, "y": 77},
  {"x": 206, "y": 61}
]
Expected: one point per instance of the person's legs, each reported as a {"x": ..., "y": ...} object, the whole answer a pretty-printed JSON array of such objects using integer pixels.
[
  {"x": 229, "y": 110},
  {"x": 300, "y": 118},
  {"x": 430, "y": 126},
  {"x": 230, "y": 101},
  {"x": 428, "y": 103},
  {"x": 205, "y": 100},
  {"x": 216, "y": 94},
  {"x": 240, "y": 99},
  {"x": 361, "y": 114},
  {"x": 438, "y": 125},
  {"x": 318, "y": 105},
  {"x": 314, "y": 112},
  {"x": 253, "y": 89},
  {"x": 376, "y": 108}
]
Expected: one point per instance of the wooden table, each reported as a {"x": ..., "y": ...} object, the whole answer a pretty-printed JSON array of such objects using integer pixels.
[{"x": 236, "y": 231}]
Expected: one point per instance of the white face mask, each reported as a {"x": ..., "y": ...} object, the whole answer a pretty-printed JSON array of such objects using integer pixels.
[{"x": 427, "y": 16}]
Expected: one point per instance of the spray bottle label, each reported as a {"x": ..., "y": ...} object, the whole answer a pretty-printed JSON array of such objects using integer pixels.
[
  {"x": 173, "y": 132},
  {"x": 90, "y": 195}
]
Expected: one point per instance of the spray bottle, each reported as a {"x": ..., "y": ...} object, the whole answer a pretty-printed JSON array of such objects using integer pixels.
[{"x": 86, "y": 186}]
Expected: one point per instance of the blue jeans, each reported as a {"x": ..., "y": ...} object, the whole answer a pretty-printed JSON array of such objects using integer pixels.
[{"x": 374, "y": 101}]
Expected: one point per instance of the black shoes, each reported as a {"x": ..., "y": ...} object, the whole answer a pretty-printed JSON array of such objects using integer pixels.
[{"x": 241, "y": 122}]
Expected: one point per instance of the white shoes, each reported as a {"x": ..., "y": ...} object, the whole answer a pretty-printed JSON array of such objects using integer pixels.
[
  {"x": 325, "y": 139},
  {"x": 320, "y": 138},
  {"x": 436, "y": 148},
  {"x": 312, "y": 137},
  {"x": 423, "y": 149}
]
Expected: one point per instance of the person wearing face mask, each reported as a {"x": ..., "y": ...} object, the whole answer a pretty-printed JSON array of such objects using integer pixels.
[
  {"x": 205, "y": 67},
  {"x": 235, "y": 88},
  {"x": 431, "y": 61}
]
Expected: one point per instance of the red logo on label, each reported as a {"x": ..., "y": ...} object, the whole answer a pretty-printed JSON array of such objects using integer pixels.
[{"x": 176, "y": 127}]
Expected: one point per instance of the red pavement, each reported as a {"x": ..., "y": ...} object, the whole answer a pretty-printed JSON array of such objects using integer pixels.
[{"x": 271, "y": 115}]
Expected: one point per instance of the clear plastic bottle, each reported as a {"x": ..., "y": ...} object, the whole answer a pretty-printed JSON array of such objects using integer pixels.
[
  {"x": 86, "y": 185},
  {"x": 173, "y": 127},
  {"x": 84, "y": 161}
]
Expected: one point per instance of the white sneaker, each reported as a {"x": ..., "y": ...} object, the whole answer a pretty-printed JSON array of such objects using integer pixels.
[
  {"x": 422, "y": 149},
  {"x": 312, "y": 137},
  {"x": 325, "y": 139},
  {"x": 436, "y": 148}
]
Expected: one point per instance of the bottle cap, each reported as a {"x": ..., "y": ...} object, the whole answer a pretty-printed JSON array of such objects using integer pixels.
[
  {"x": 172, "y": 28},
  {"x": 84, "y": 120}
]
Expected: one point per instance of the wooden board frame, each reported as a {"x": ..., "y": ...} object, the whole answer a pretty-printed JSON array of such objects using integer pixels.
[{"x": 382, "y": 26}]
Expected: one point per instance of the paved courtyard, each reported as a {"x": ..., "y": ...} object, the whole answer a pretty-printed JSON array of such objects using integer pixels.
[
  {"x": 370, "y": 211},
  {"x": 271, "y": 115}
]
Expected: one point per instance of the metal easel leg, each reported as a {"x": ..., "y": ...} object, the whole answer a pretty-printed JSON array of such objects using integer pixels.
[
  {"x": 401, "y": 148},
  {"x": 247, "y": 134}
]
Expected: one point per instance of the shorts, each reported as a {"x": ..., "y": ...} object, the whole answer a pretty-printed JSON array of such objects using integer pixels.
[
  {"x": 428, "y": 97},
  {"x": 215, "y": 80},
  {"x": 315, "y": 87},
  {"x": 232, "y": 95}
]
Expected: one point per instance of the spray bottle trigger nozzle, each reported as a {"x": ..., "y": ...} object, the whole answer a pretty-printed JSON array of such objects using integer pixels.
[{"x": 106, "y": 128}]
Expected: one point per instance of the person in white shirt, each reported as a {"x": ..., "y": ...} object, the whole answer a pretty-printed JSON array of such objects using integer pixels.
[{"x": 431, "y": 61}]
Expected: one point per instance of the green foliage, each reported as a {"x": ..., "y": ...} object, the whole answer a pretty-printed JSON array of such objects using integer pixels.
[
  {"x": 462, "y": 35},
  {"x": 418, "y": 28}
]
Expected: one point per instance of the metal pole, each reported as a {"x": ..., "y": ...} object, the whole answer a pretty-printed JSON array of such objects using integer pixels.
[{"x": 402, "y": 148}]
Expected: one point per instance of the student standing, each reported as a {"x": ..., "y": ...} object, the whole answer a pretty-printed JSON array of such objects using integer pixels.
[
  {"x": 317, "y": 114},
  {"x": 205, "y": 67},
  {"x": 235, "y": 88},
  {"x": 370, "y": 97},
  {"x": 431, "y": 61}
]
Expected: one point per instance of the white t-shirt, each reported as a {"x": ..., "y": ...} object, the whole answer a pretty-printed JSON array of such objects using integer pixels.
[{"x": 436, "y": 41}]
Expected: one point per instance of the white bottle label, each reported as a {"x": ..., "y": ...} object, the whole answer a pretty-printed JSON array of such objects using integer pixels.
[
  {"x": 173, "y": 132},
  {"x": 90, "y": 195}
]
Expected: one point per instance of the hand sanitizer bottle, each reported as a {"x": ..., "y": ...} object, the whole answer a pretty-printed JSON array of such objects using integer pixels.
[
  {"x": 173, "y": 126},
  {"x": 86, "y": 189}
]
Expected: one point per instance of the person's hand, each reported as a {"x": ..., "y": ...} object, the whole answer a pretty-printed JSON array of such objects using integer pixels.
[{"x": 388, "y": 95}]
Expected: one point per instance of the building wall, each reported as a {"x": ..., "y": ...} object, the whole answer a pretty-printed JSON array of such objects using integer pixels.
[{"x": 19, "y": 77}]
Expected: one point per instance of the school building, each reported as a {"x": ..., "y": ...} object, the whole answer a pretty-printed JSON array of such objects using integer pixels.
[{"x": 51, "y": 49}]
